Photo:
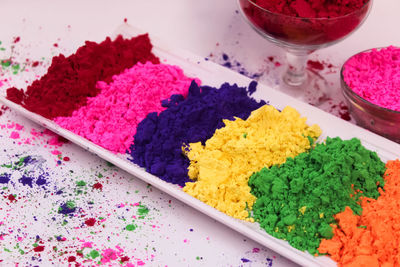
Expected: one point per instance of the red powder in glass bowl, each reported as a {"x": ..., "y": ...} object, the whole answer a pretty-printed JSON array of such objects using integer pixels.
[
  {"x": 305, "y": 22},
  {"x": 312, "y": 8},
  {"x": 69, "y": 81}
]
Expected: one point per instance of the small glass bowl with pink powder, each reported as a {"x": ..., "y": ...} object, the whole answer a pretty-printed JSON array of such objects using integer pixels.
[{"x": 371, "y": 87}]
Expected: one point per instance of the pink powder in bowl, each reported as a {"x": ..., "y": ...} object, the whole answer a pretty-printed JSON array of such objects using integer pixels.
[
  {"x": 375, "y": 76},
  {"x": 110, "y": 118}
]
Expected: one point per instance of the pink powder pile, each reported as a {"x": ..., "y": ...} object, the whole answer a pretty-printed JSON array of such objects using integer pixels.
[
  {"x": 375, "y": 76},
  {"x": 110, "y": 118}
]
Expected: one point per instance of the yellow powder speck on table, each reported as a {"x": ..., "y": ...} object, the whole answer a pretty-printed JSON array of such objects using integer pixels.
[{"x": 221, "y": 169}]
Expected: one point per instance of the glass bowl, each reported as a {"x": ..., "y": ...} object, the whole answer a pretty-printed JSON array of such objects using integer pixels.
[
  {"x": 313, "y": 33},
  {"x": 299, "y": 37},
  {"x": 377, "y": 119}
]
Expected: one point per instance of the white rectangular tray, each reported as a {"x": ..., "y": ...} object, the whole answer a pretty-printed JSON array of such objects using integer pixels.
[{"x": 214, "y": 75}]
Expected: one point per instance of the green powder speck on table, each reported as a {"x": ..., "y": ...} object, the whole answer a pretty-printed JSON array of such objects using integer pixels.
[{"x": 296, "y": 201}]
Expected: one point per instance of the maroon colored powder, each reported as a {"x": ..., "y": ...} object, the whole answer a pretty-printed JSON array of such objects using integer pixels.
[
  {"x": 315, "y": 65},
  {"x": 304, "y": 22},
  {"x": 312, "y": 8},
  {"x": 39, "y": 249},
  {"x": 98, "y": 186},
  {"x": 70, "y": 80},
  {"x": 71, "y": 258},
  {"x": 124, "y": 259},
  {"x": 90, "y": 222},
  {"x": 11, "y": 198}
]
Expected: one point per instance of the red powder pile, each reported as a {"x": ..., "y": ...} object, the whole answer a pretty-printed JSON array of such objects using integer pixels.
[
  {"x": 372, "y": 239},
  {"x": 306, "y": 22},
  {"x": 70, "y": 80},
  {"x": 311, "y": 8}
]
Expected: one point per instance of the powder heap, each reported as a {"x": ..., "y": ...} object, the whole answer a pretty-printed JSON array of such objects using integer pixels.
[
  {"x": 70, "y": 80},
  {"x": 311, "y": 8},
  {"x": 221, "y": 168},
  {"x": 371, "y": 239},
  {"x": 300, "y": 21},
  {"x": 297, "y": 200},
  {"x": 110, "y": 118},
  {"x": 375, "y": 76},
  {"x": 159, "y": 139}
]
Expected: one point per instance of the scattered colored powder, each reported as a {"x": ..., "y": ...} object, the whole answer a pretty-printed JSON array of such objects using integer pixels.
[
  {"x": 80, "y": 183},
  {"x": 90, "y": 222},
  {"x": 245, "y": 260},
  {"x": 371, "y": 239},
  {"x": 314, "y": 64},
  {"x": 130, "y": 227},
  {"x": 375, "y": 76},
  {"x": 297, "y": 200},
  {"x": 67, "y": 208},
  {"x": 110, "y": 119},
  {"x": 5, "y": 178},
  {"x": 159, "y": 138},
  {"x": 109, "y": 255},
  {"x": 94, "y": 254},
  {"x": 312, "y": 8},
  {"x": 71, "y": 258},
  {"x": 70, "y": 80},
  {"x": 306, "y": 22},
  {"x": 221, "y": 168},
  {"x": 98, "y": 186},
  {"x": 39, "y": 249},
  {"x": 26, "y": 180},
  {"x": 14, "y": 135},
  {"x": 142, "y": 210},
  {"x": 233, "y": 64}
]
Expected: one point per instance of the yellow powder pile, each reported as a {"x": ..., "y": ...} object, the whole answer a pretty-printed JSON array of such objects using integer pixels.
[{"x": 221, "y": 168}]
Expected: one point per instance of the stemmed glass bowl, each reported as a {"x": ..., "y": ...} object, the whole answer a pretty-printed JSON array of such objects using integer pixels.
[{"x": 300, "y": 36}]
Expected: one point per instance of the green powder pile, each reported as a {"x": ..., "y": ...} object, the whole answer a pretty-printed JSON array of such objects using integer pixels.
[{"x": 296, "y": 201}]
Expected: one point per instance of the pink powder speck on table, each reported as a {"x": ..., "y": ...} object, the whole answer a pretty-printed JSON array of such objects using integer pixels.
[
  {"x": 375, "y": 76},
  {"x": 110, "y": 118},
  {"x": 14, "y": 135},
  {"x": 109, "y": 255},
  {"x": 56, "y": 152}
]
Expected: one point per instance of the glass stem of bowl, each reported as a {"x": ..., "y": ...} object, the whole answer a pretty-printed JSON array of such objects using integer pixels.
[{"x": 296, "y": 74}]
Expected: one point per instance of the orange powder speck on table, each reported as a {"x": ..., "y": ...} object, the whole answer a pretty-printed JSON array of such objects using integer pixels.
[{"x": 372, "y": 239}]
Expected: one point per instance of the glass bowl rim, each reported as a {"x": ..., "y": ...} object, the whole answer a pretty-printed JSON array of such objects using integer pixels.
[
  {"x": 302, "y": 18},
  {"x": 353, "y": 94}
]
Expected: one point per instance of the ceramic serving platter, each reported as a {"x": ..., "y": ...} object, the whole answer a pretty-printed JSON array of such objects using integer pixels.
[{"x": 214, "y": 75}]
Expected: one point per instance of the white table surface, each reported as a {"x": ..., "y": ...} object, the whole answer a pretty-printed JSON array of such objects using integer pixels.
[{"x": 172, "y": 234}]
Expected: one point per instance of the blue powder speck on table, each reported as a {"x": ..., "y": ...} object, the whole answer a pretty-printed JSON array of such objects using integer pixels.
[{"x": 5, "y": 178}]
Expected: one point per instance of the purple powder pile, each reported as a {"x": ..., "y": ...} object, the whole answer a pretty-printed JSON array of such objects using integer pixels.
[{"x": 159, "y": 138}]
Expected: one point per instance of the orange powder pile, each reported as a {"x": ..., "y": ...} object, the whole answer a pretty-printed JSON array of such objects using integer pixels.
[{"x": 372, "y": 239}]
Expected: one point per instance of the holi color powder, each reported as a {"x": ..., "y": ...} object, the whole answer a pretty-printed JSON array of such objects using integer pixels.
[
  {"x": 369, "y": 239},
  {"x": 221, "y": 168},
  {"x": 375, "y": 76},
  {"x": 159, "y": 138},
  {"x": 306, "y": 22},
  {"x": 296, "y": 201},
  {"x": 231, "y": 63},
  {"x": 25, "y": 171},
  {"x": 39, "y": 227},
  {"x": 70, "y": 80},
  {"x": 110, "y": 119},
  {"x": 311, "y": 8}
]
